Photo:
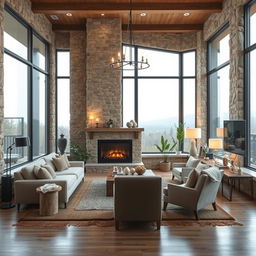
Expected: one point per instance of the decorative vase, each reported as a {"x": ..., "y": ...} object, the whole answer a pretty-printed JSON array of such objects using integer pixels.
[
  {"x": 126, "y": 171},
  {"x": 165, "y": 166},
  {"x": 62, "y": 144},
  {"x": 129, "y": 124}
]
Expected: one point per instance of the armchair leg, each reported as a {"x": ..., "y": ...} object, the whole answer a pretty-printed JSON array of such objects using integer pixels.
[
  {"x": 158, "y": 224},
  {"x": 165, "y": 206},
  {"x": 117, "y": 224},
  {"x": 18, "y": 207},
  {"x": 172, "y": 177},
  {"x": 196, "y": 215},
  {"x": 214, "y": 206}
]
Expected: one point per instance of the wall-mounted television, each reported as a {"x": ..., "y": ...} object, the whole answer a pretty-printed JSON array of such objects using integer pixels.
[{"x": 234, "y": 136}]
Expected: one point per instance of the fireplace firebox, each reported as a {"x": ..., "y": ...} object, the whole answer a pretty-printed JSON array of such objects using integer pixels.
[{"x": 114, "y": 151}]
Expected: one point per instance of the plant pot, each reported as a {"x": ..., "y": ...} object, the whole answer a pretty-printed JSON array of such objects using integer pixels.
[{"x": 165, "y": 166}]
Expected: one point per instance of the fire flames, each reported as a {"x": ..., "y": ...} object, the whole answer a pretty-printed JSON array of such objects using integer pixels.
[{"x": 116, "y": 154}]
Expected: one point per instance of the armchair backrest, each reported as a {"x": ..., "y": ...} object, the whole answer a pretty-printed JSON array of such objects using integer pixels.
[
  {"x": 207, "y": 190},
  {"x": 137, "y": 198}
]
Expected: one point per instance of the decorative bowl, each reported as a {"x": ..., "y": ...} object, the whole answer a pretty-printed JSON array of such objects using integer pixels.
[{"x": 140, "y": 169}]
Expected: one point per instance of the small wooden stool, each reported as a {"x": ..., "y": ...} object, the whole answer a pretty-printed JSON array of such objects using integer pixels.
[{"x": 49, "y": 201}]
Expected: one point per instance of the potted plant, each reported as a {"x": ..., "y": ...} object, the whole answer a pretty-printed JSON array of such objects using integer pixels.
[
  {"x": 164, "y": 148},
  {"x": 80, "y": 153},
  {"x": 180, "y": 136}
]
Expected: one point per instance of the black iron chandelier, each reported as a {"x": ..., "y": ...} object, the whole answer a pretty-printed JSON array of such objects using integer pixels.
[{"x": 124, "y": 63}]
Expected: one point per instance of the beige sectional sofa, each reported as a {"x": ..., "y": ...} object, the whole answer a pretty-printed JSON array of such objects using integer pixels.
[{"x": 25, "y": 187}]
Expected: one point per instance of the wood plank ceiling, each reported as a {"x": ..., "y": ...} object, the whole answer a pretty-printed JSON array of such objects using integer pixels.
[{"x": 161, "y": 16}]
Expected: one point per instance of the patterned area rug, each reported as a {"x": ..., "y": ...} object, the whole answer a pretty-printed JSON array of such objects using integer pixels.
[{"x": 90, "y": 206}]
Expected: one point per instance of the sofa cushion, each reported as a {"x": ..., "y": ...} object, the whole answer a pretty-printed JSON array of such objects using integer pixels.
[
  {"x": 192, "y": 162},
  {"x": 192, "y": 179},
  {"x": 28, "y": 172},
  {"x": 77, "y": 171},
  {"x": 42, "y": 173},
  {"x": 50, "y": 170},
  {"x": 70, "y": 179}
]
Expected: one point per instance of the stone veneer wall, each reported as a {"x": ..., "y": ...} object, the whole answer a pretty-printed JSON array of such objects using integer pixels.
[
  {"x": 41, "y": 24},
  {"x": 77, "y": 87},
  {"x": 102, "y": 82},
  {"x": 168, "y": 41}
]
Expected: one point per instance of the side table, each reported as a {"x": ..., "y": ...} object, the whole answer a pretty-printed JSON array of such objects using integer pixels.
[{"x": 49, "y": 201}]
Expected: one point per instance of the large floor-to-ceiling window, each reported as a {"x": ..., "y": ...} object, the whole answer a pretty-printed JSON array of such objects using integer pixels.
[
  {"x": 218, "y": 80},
  {"x": 250, "y": 79},
  {"x": 162, "y": 96},
  {"x": 63, "y": 95},
  {"x": 25, "y": 88}
]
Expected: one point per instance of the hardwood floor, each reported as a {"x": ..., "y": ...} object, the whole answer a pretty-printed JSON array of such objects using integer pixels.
[{"x": 137, "y": 241}]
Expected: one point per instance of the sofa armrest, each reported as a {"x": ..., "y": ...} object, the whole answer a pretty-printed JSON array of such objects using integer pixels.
[
  {"x": 178, "y": 165},
  {"x": 25, "y": 190},
  {"x": 76, "y": 163}
]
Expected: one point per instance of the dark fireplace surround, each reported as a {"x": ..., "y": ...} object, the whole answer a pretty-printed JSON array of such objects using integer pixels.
[{"x": 114, "y": 151}]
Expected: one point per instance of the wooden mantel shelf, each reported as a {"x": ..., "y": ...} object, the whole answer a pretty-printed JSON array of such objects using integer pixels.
[{"x": 136, "y": 131}]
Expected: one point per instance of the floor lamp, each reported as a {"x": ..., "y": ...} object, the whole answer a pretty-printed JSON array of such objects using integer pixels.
[
  {"x": 192, "y": 134},
  {"x": 6, "y": 180}
]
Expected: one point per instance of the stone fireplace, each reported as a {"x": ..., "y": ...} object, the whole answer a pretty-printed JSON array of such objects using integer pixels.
[{"x": 114, "y": 151}]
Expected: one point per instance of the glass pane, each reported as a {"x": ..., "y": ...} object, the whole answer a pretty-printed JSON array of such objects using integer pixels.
[
  {"x": 128, "y": 100},
  {"x": 15, "y": 36},
  {"x": 39, "y": 115},
  {"x": 128, "y": 52},
  {"x": 253, "y": 107},
  {"x": 219, "y": 99},
  {"x": 189, "y": 63},
  {"x": 39, "y": 53},
  {"x": 15, "y": 107},
  {"x": 189, "y": 106},
  {"x": 63, "y": 63},
  {"x": 253, "y": 24},
  {"x": 219, "y": 50},
  {"x": 161, "y": 63},
  {"x": 63, "y": 107},
  {"x": 158, "y": 104}
]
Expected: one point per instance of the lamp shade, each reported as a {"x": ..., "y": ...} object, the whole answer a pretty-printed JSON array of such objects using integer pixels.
[
  {"x": 220, "y": 132},
  {"x": 193, "y": 133},
  {"x": 22, "y": 141},
  {"x": 215, "y": 143}
]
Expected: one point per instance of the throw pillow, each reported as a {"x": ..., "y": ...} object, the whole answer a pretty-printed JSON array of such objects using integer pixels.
[
  {"x": 201, "y": 166},
  {"x": 50, "y": 170},
  {"x": 192, "y": 179},
  {"x": 60, "y": 163},
  {"x": 49, "y": 161},
  {"x": 192, "y": 162},
  {"x": 42, "y": 173},
  {"x": 66, "y": 159},
  {"x": 27, "y": 172}
]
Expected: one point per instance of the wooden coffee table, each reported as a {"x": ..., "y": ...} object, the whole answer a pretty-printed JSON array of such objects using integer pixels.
[{"x": 110, "y": 180}]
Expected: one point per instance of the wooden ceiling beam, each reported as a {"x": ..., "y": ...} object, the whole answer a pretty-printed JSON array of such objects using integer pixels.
[
  {"x": 38, "y": 7},
  {"x": 137, "y": 27}
]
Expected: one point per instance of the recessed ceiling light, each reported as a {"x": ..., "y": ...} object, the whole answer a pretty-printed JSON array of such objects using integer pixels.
[
  {"x": 69, "y": 14},
  {"x": 102, "y": 14},
  {"x": 143, "y": 14},
  {"x": 186, "y": 14},
  {"x": 54, "y": 17}
]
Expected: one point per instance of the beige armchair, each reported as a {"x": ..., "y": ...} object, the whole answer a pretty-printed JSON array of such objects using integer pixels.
[
  {"x": 137, "y": 198},
  {"x": 194, "y": 199},
  {"x": 180, "y": 171}
]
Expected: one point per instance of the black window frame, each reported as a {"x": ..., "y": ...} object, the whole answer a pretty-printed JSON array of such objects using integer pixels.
[
  {"x": 212, "y": 71},
  {"x": 56, "y": 89},
  {"x": 31, "y": 67},
  {"x": 180, "y": 77},
  {"x": 247, "y": 99}
]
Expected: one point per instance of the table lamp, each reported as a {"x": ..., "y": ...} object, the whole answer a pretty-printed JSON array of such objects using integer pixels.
[
  {"x": 6, "y": 181},
  {"x": 215, "y": 144},
  {"x": 220, "y": 132},
  {"x": 193, "y": 133}
]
